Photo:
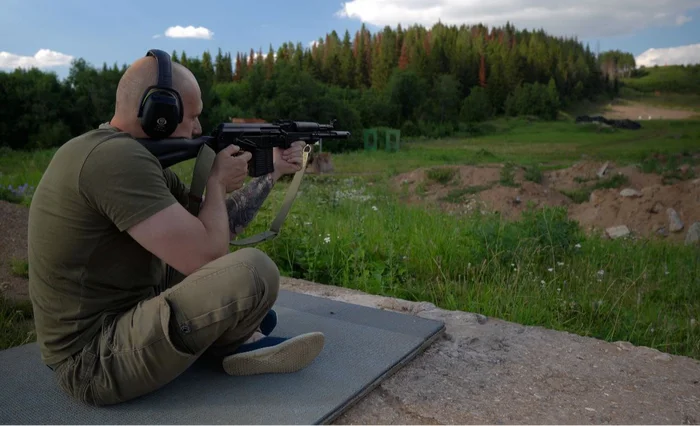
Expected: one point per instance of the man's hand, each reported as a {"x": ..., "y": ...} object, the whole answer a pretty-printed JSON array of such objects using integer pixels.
[
  {"x": 288, "y": 161},
  {"x": 230, "y": 168}
]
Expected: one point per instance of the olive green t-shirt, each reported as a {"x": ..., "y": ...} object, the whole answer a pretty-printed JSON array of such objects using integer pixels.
[{"x": 83, "y": 265}]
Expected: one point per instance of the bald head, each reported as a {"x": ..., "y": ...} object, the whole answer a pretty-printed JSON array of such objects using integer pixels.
[{"x": 137, "y": 78}]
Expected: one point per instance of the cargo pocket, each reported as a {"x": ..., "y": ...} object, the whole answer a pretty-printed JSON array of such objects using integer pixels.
[
  {"x": 64, "y": 376},
  {"x": 230, "y": 292}
]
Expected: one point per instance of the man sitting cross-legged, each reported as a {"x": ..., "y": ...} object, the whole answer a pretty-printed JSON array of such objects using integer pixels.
[{"x": 128, "y": 287}]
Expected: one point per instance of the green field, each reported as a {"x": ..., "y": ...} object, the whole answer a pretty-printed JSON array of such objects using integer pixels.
[
  {"x": 673, "y": 86},
  {"x": 348, "y": 229}
]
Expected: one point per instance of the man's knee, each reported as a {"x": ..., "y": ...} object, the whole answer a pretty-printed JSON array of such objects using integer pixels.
[{"x": 264, "y": 269}]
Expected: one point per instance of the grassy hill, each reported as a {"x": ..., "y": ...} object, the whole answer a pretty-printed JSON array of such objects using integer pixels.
[{"x": 669, "y": 86}]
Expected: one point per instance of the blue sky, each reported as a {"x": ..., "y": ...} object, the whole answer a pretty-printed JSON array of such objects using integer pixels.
[{"x": 122, "y": 31}]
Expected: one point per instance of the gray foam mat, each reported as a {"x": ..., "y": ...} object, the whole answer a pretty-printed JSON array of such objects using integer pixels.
[{"x": 363, "y": 347}]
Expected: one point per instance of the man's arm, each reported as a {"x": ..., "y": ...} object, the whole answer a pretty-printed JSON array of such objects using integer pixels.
[{"x": 243, "y": 205}]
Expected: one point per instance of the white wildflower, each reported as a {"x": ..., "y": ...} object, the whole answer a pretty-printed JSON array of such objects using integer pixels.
[
  {"x": 353, "y": 194},
  {"x": 375, "y": 208},
  {"x": 550, "y": 269},
  {"x": 327, "y": 240}
]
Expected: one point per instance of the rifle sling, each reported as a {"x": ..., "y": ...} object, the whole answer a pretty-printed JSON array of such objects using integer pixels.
[
  {"x": 200, "y": 175},
  {"x": 202, "y": 167}
]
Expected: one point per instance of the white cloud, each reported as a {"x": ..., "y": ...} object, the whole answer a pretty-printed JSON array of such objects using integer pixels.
[
  {"x": 681, "y": 55},
  {"x": 589, "y": 19},
  {"x": 44, "y": 58},
  {"x": 189, "y": 32},
  {"x": 682, "y": 19}
]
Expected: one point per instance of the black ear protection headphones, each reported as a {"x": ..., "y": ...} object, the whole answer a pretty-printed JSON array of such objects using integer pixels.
[{"x": 161, "y": 109}]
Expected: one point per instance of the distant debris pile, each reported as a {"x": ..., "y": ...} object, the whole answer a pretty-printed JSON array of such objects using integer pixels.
[{"x": 620, "y": 124}]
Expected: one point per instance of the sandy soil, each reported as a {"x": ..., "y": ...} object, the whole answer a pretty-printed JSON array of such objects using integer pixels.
[{"x": 638, "y": 111}]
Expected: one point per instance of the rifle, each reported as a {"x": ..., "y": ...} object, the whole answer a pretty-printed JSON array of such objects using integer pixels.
[{"x": 257, "y": 138}]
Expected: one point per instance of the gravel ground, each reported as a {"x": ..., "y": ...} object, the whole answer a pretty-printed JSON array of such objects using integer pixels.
[{"x": 13, "y": 245}]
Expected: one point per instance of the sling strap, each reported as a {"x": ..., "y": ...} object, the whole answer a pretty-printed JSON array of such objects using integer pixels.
[
  {"x": 202, "y": 167},
  {"x": 200, "y": 175}
]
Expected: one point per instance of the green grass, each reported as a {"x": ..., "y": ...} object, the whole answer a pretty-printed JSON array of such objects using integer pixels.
[
  {"x": 669, "y": 86},
  {"x": 508, "y": 175},
  {"x": 20, "y": 267},
  {"x": 529, "y": 143},
  {"x": 673, "y": 79},
  {"x": 582, "y": 195},
  {"x": 540, "y": 271},
  {"x": 15, "y": 323},
  {"x": 457, "y": 195},
  {"x": 349, "y": 230},
  {"x": 441, "y": 175}
]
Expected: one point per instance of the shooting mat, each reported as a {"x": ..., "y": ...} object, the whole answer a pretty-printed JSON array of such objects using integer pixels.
[{"x": 363, "y": 347}]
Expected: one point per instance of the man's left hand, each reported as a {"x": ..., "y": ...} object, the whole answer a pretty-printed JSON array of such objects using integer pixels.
[{"x": 288, "y": 161}]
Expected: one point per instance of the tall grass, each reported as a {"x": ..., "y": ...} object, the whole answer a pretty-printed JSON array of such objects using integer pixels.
[{"x": 541, "y": 270}]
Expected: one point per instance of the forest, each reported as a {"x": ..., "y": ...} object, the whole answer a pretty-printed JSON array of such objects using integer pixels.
[{"x": 431, "y": 82}]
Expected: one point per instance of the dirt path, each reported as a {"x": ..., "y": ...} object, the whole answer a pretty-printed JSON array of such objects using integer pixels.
[{"x": 640, "y": 111}]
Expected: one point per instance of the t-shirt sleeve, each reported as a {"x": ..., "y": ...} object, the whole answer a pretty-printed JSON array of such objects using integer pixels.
[
  {"x": 124, "y": 182},
  {"x": 179, "y": 190}
]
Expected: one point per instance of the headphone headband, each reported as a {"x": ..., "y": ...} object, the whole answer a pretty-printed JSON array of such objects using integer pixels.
[{"x": 165, "y": 69}]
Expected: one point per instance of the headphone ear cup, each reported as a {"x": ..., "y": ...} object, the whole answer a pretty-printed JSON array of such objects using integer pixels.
[{"x": 160, "y": 114}]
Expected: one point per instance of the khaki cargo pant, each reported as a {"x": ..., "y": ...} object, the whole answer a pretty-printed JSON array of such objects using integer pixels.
[{"x": 213, "y": 310}]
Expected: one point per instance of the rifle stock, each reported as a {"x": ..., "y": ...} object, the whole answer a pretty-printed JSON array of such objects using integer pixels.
[{"x": 257, "y": 138}]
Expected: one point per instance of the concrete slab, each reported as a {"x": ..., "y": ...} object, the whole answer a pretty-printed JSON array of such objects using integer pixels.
[{"x": 489, "y": 371}]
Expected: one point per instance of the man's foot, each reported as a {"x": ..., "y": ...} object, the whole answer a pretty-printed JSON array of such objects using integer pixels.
[
  {"x": 274, "y": 355},
  {"x": 268, "y": 323}
]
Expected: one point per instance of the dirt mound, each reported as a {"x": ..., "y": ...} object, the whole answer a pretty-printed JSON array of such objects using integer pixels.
[
  {"x": 645, "y": 212},
  {"x": 488, "y": 188},
  {"x": 581, "y": 175},
  {"x": 510, "y": 201},
  {"x": 599, "y": 195}
]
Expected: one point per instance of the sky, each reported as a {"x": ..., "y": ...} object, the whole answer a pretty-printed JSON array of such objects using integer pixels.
[{"x": 48, "y": 34}]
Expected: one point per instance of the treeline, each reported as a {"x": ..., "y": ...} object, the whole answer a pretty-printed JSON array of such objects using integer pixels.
[
  {"x": 425, "y": 81},
  {"x": 616, "y": 64}
]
